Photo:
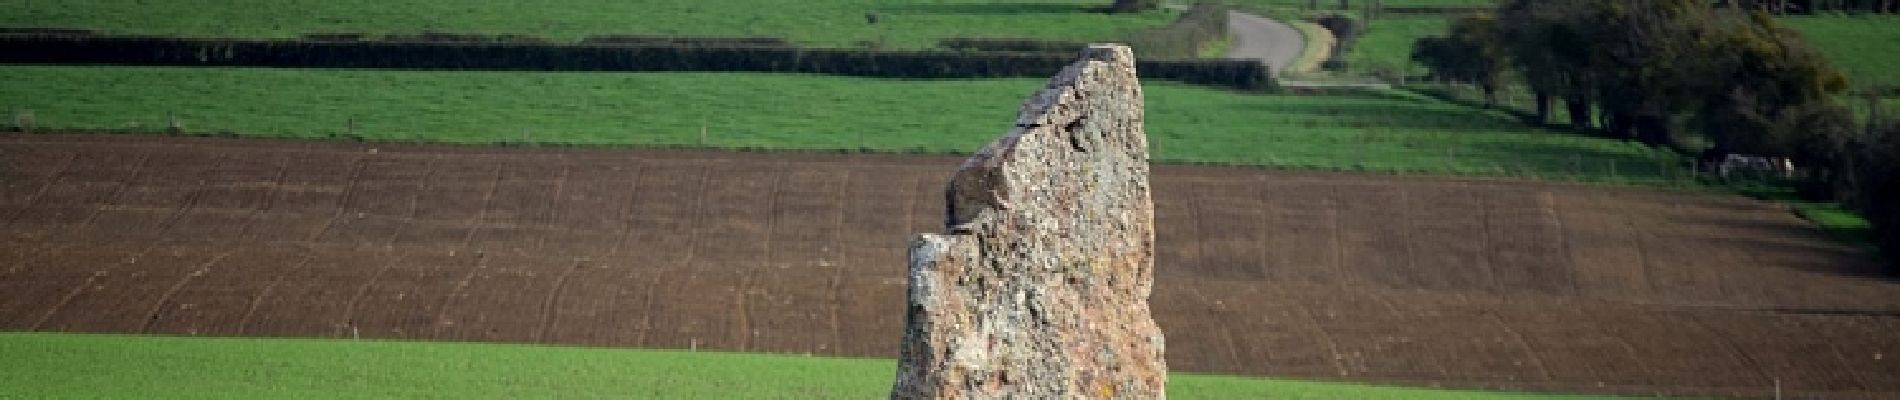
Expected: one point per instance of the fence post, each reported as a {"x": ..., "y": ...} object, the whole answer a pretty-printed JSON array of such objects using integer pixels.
[{"x": 349, "y": 126}]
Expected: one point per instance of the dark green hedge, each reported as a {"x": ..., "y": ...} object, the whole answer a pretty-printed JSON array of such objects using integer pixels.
[
  {"x": 649, "y": 40},
  {"x": 1011, "y": 45},
  {"x": 43, "y": 49}
]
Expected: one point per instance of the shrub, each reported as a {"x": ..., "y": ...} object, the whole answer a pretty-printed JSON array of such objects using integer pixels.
[
  {"x": 649, "y": 40},
  {"x": 1346, "y": 32},
  {"x": 495, "y": 54},
  {"x": 1011, "y": 45},
  {"x": 1203, "y": 23}
]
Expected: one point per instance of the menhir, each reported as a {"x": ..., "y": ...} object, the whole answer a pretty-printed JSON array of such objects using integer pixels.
[{"x": 1040, "y": 288}]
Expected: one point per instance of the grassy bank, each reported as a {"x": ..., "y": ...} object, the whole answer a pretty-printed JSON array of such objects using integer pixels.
[
  {"x": 1861, "y": 46},
  {"x": 1391, "y": 132},
  {"x": 901, "y": 23},
  {"x": 1387, "y": 45},
  {"x": 71, "y": 366}
]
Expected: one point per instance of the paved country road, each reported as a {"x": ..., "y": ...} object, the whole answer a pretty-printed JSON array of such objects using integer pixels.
[
  {"x": 1265, "y": 39},
  {"x": 1278, "y": 45}
]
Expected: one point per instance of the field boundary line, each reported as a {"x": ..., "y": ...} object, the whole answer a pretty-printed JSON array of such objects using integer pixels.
[
  {"x": 257, "y": 300},
  {"x": 58, "y": 175},
  {"x": 158, "y": 306},
  {"x": 343, "y": 200}
]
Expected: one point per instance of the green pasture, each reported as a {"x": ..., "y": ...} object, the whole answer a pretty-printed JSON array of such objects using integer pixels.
[
  {"x": 1385, "y": 132},
  {"x": 1387, "y": 43},
  {"x": 900, "y": 23},
  {"x": 1864, "y": 47},
  {"x": 75, "y": 366},
  {"x": 1358, "y": 4}
]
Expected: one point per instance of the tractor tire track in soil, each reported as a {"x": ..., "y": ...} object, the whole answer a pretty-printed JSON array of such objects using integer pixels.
[{"x": 1400, "y": 280}]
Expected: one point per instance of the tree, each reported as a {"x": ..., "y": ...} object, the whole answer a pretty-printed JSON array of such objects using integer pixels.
[
  {"x": 1774, "y": 88},
  {"x": 1551, "y": 54},
  {"x": 1470, "y": 53}
]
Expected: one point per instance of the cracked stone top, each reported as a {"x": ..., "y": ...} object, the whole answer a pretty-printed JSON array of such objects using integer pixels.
[{"x": 1040, "y": 287}]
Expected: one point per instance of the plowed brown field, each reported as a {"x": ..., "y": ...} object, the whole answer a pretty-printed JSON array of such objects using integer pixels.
[{"x": 1367, "y": 278}]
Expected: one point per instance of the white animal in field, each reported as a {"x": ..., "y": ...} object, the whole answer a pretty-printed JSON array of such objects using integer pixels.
[{"x": 1758, "y": 165}]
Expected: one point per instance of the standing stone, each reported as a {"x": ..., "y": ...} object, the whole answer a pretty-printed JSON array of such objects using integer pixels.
[{"x": 1040, "y": 288}]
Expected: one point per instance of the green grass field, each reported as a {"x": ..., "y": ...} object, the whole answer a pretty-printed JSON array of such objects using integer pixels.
[
  {"x": 1391, "y": 132},
  {"x": 1334, "y": 4},
  {"x": 76, "y": 366},
  {"x": 901, "y": 23},
  {"x": 1865, "y": 47},
  {"x": 1387, "y": 44},
  {"x": 1861, "y": 46}
]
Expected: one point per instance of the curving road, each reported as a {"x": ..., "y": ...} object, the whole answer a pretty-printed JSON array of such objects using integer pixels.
[
  {"x": 1272, "y": 42},
  {"x": 1278, "y": 45}
]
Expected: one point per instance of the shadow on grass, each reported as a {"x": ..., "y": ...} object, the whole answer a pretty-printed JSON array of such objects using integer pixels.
[
  {"x": 1821, "y": 249},
  {"x": 1520, "y": 117},
  {"x": 1385, "y": 109},
  {"x": 1563, "y": 159}
]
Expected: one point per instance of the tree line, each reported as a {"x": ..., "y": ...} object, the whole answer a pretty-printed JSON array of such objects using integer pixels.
[{"x": 1658, "y": 70}]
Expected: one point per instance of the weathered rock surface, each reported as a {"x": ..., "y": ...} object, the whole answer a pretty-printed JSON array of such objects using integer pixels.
[{"x": 1040, "y": 289}]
